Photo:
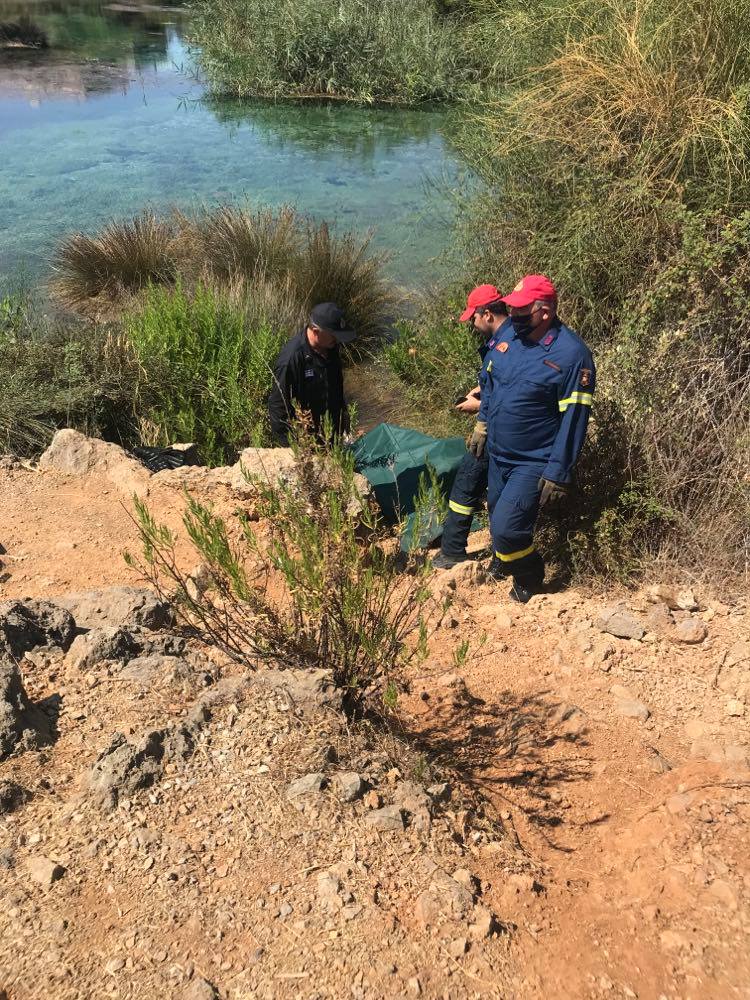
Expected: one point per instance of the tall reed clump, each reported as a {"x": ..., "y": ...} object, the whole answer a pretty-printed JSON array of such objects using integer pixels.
[
  {"x": 346, "y": 49},
  {"x": 55, "y": 375},
  {"x": 207, "y": 359},
  {"x": 622, "y": 151},
  {"x": 91, "y": 272},
  {"x": 320, "y": 585},
  {"x": 299, "y": 261}
]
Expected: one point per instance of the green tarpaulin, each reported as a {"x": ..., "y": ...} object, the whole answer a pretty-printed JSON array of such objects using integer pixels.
[{"x": 392, "y": 459}]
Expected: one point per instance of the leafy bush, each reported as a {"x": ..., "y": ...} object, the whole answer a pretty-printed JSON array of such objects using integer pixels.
[
  {"x": 435, "y": 361},
  {"x": 319, "y": 585},
  {"x": 208, "y": 363},
  {"x": 60, "y": 376},
  {"x": 342, "y": 48}
]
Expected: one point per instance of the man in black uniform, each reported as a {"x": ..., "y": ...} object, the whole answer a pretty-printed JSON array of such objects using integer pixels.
[{"x": 308, "y": 375}]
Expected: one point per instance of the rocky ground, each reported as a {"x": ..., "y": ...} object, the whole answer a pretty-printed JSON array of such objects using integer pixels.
[{"x": 563, "y": 812}]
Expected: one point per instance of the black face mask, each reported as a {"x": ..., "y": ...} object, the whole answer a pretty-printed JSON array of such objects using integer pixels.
[{"x": 522, "y": 325}]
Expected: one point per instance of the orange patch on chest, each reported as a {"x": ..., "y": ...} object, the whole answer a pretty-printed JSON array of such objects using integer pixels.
[{"x": 502, "y": 346}]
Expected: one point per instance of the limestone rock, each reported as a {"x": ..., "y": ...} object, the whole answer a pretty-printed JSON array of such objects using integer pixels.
[
  {"x": 674, "y": 598},
  {"x": 44, "y": 871},
  {"x": 387, "y": 819},
  {"x": 123, "y": 768},
  {"x": 349, "y": 785},
  {"x": 114, "y": 607},
  {"x": 620, "y": 622},
  {"x": 631, "y": 708},
  {"x": 77, "y": 455},
  {"x": 690, "y": 631},
  {"x": 26, "y": 625},
  {"x": 308, "y": 784},
  {"x": 19, "y": 718}
]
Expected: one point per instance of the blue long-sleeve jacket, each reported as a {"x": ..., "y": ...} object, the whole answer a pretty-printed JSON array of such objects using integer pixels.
[{"x": 536, "y": 400}]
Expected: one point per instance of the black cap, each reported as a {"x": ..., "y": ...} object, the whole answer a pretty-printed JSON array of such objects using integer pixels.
[{"x": 327, "y": 316}]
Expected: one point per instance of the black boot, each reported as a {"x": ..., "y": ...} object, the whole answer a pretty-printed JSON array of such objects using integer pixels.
[{"x": 443, "y": 561}]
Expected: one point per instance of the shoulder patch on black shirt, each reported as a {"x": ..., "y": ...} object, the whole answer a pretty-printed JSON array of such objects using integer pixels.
[{"x": 551, "y": 364}]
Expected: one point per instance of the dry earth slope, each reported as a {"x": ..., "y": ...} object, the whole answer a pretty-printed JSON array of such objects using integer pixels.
[{"x": 564, "y": 815}]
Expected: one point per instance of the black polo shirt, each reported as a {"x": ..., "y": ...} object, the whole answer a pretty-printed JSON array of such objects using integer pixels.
[{"x": 305, "y": 380}]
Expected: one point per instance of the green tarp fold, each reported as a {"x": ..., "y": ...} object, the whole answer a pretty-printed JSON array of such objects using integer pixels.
[{"x": 393, "y": 459}]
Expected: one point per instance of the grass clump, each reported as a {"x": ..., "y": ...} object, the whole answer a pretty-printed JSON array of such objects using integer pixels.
[
  {"x": 319, "y": 585},
  {"x": 121, "y": 260},
  {"x": 290, "y": 257},
  {"x": 346, "y": 49},
  {"x": 208, "y": 361}
]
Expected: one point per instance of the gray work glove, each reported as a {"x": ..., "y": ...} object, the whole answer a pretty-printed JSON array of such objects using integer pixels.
[
  {"x": 478, "y": 439},
  {"x": 552, "y": 491}
]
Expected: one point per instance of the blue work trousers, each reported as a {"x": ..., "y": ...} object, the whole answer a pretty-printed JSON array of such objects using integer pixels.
[
  {"x": 513, "y": 501},
  {"x": 467, "y": 497}
]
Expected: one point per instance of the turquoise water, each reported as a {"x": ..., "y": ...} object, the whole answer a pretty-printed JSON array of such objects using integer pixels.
[{"x": 109, "y": 118}]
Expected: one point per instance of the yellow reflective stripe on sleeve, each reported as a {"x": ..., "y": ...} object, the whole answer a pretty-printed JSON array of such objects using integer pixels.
[
  {"x": 584, "y": 398},
  {"x": 511, "y": 556},
  {"x": 489, "y": 367},
  {"x": 460, "y": 508}
]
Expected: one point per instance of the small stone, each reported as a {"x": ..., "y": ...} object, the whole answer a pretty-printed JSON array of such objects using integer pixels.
[
  {"x": 386, "y": 819},
  {"x": 114, "y": 965},
  {"x": 690, "y": 631},
  {"x": 630, "y": 708},
  {"x": 503, "y": 621},
  {"x": 618, "y": 621},
  {"x": 148, "y": 864},
  {"x": 427, "y": 909},
  {"x": 285, "y": 910},
  {"x": 309, "y": 784},
  {"x": 373, "y": 800},
  {"x": 465, "y": 878},
  {"x": 44, "y": 871},
  {"x": 414, "y": 987},
  {"x": 678, "y": 802},
  {"x": 734, "y": 708},
  {"x": 483, "y": 923},
  {"x": 200, "y": 989},
  {"x": 458, "y": 947},
  {"x": 328, "y": 887},
  {"x": 348, "y": 785}
]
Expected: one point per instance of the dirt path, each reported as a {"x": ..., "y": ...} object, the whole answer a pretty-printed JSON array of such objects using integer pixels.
[{"x": 633, "y": 870}]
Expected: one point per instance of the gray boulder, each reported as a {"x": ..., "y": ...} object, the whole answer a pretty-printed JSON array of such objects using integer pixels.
[
  {"x": 123, "y": 768},
  {"x": 114, "y": 607},
  {"x": 28, "y": 624},
  {"x": 620, "y": 622},
  {"x": 77, "y": 455},
  {"x": 20, "y": 720}
]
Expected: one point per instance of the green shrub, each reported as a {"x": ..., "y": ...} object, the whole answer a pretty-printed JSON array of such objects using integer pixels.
[
  {"x": 208, "y": 362},
  {"x": 53, "y": 376},
  {"x": 319, "y": 586},
  {"x": 340, "y": 48},
  {"x": 434, "y": 361}
]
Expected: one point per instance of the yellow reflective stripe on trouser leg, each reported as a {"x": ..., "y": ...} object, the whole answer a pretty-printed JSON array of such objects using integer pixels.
[
  {"x": 460, "y": 508},
  {"x": 511, "y": 556},
  {"x": 584, "y": 398}
]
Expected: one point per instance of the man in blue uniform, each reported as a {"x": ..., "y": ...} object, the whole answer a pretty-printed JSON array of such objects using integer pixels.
[
  {"x": 487, "y": 313},
  {"x": 534, "y": 411}
]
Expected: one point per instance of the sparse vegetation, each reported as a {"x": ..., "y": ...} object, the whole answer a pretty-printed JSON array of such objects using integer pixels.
[{"x": 324, "y": 588}]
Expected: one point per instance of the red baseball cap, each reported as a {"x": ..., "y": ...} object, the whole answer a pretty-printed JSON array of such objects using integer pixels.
[
  {"x": 529, "y": 289},
  {"x": 480, "y": 296}
]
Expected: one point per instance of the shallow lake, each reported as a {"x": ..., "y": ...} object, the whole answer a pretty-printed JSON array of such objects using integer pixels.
[{"x": 101, "y": 114}]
